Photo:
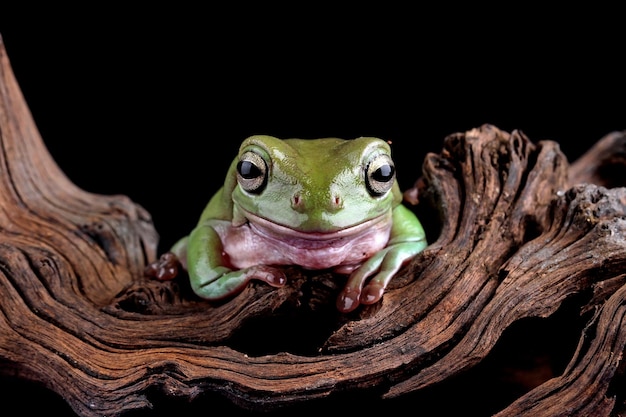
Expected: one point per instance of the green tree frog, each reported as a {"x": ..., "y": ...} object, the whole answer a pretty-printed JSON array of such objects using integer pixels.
[{"x": 318, "y": 203}]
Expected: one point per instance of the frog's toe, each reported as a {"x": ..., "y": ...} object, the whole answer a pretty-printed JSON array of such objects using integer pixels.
[
  {"x": 346, "y": 269},
  {"x": 272, "y": 276},
  {"x": 348, "y": 300},
  {"x": 353, "y": 296},
  {"x": 163, "y": 269},
  {"x": 372, "y": 293}
]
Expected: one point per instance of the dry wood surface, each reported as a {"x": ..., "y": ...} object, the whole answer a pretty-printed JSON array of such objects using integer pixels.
[{"x": 518, "y": 237}]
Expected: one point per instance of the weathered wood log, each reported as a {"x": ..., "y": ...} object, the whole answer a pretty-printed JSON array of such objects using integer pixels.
[{"x": 516, "y": 232}]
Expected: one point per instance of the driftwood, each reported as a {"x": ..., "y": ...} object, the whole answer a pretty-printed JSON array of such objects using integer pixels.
[{"x": 519, "y": 237}]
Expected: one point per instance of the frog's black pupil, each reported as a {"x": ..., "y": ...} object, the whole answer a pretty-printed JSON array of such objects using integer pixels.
[
  {"x": 248, "y": 170},
  {"x": 383, "y": 174}
]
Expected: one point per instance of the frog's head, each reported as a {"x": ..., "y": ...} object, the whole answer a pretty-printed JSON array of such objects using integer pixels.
[{"x": 314, "y": 186}]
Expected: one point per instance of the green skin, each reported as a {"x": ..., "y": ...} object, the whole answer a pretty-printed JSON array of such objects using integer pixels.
[{"x": 320, "y": 204}]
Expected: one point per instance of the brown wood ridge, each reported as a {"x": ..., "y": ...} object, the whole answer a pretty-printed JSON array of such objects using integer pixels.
[{"x": 518, "y": 237}]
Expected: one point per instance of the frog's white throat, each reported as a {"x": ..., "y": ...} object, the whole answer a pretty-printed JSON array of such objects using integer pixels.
[{"x": 252, "y": 240}]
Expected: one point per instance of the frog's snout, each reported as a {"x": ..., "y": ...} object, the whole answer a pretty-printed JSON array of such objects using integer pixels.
[{"x": 330, "y": 203}]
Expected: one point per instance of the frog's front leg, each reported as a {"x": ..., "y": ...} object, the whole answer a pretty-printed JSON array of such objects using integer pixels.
[
  {"x": 407, "y": 240},
  {"x": 209, "y": 275}
]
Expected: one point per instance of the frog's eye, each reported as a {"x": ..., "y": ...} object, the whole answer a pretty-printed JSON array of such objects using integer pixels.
[
  {"x": 252, "y": 172},
  {"x": 380, "y": 175}
]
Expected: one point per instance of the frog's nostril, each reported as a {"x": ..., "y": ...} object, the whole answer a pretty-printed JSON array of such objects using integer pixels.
[
  {"x": 336, "y": 202},
  {"x": 296, "y": 202}
]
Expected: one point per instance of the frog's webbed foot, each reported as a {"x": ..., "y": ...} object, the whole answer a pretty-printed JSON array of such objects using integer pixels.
[
  {"x": 357, "y": 292},
  {"x": 163, "y": 269},
  {"x": 225, "y": 283},
  {"x": 381, "y": 268}
]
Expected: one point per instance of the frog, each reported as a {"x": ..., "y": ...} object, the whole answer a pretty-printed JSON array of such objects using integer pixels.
[{"x": 319, "y": 204}]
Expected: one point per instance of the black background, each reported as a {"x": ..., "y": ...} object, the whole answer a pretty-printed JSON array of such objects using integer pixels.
[{"x": 154, "y": 107}]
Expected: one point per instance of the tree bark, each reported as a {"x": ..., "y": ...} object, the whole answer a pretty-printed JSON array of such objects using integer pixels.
[{"x": 516, "y": 233}]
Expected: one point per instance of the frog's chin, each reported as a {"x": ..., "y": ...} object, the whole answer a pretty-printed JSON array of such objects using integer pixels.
[{"x": 271, "y": 228}]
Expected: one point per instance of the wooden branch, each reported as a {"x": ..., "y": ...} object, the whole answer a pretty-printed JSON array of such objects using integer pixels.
[{"x": 520, "y": 232}]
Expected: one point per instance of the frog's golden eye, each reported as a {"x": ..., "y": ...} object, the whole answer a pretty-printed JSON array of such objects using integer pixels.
[
  {"x": 380, "y": 175},
  {"x": 252, "y": 172}
]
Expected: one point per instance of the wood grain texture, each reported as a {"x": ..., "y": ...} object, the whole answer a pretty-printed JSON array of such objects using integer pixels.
[{"x": 515, "y": 232}]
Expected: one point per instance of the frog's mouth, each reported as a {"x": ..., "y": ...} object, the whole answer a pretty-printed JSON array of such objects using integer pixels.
[{"x": 276, "y": 230}]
